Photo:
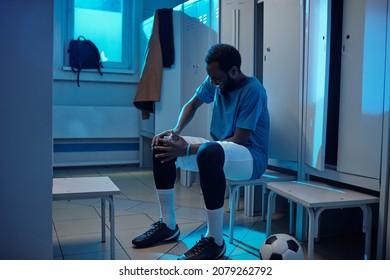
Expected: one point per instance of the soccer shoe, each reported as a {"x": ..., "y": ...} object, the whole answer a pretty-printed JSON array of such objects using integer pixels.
[
  {"x": 158, "y": 232},
  {"x": 205, "y": 249}
]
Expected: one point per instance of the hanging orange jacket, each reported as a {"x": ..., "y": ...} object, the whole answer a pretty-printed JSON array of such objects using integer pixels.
[{"x": 159, "y": 54}]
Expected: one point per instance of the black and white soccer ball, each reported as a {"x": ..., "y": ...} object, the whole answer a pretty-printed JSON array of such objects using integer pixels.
[{"x": 281, "y": 247}]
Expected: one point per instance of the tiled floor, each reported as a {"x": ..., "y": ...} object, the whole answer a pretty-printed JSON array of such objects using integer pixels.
[{"x": 77, "y": 231}]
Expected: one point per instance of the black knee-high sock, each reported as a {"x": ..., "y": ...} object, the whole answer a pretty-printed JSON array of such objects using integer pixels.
[{"x": 210, "y": 159}]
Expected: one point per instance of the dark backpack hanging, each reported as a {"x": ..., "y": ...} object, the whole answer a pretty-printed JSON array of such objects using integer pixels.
[{"x": 83, "y": 54}]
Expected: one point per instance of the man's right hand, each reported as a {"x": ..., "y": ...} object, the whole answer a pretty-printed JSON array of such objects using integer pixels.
[{"x": 156, "y": 138}]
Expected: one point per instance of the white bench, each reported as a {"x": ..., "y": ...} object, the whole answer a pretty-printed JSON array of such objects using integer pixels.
[
  {"x": 234, "y": 186},
  {"x": 87, "y": 188},
  {"x": 315, "y": 198}
]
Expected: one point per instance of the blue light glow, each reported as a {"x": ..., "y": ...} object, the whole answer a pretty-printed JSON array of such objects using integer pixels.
[
  {"x": 270, "y": 176},
  {"x": 374, "y": 64},
  {"x": 319, "y": 186}
]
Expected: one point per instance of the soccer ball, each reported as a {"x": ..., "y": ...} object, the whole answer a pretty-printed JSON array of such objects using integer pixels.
[{"x": 281, "y": 247}]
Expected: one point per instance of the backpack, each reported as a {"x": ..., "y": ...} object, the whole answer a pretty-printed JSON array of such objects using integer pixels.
[{"x": 83, "y": 54}]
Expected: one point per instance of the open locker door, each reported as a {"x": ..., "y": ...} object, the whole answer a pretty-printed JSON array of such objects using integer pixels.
[{"x": 316, "y": 80}]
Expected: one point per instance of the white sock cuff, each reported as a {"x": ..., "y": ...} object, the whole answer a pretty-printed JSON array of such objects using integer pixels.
[
  {"x": 167, "y": 207},
  {"x": 214, "y": 211},
  {"x": 215, "y": 224}
]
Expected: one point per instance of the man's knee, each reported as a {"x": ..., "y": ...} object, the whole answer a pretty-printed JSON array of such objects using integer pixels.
[
  {"x": 156, "y": 152},
  {"x": 210, "y": 153}
]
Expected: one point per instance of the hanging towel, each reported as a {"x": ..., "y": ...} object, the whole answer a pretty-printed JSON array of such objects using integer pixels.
[{"x": 159, "y": 54}]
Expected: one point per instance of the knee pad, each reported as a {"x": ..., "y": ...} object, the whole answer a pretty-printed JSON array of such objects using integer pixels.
[{"x": 210, "y": 153}]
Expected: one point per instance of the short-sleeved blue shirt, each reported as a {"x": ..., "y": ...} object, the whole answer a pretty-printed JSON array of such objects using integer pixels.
[{"x": 244, "y": 107}]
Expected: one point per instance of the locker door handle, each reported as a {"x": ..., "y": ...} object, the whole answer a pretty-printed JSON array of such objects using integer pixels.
[{"x": 347, "y": 38}]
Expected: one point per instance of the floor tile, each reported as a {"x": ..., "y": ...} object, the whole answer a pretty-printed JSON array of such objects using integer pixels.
[
  {"x": 84, "y": 243},
  {"x": 78, "y": 227}
]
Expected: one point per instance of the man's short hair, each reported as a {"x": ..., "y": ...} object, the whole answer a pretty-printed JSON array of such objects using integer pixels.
[{"x": 226, "y": 55}]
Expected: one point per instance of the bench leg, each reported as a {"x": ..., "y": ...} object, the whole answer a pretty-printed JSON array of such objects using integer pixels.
[
  {"x": 292, "y": 217},
  {"x": 110, "y": 200},
  {"x": 367, "y": 216},
  {"x": 271, "y": 206},
  {"x": 232, "y": 207},
  {"x": 264, "y": 193},
  {"x": 103, "y": 220},
  {"x": 249, "y": 205},
  {"x": 317, "y": 222},
  {"x": 312, "y": 229}
]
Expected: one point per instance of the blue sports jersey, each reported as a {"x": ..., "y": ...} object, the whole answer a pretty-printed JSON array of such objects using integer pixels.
[{"x": 244, "y": 107}]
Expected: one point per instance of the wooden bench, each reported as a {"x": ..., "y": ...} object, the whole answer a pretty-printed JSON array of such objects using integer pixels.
[
  {"x": 87, "y": 188},
  {"x": 315, "y": 198}
]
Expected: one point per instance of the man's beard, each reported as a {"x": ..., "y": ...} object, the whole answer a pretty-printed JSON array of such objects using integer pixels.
[{"x": 229, "y": 85}]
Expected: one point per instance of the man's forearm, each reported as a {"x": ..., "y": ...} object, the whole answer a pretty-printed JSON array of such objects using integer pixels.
[{"x": 185, "y": 117}]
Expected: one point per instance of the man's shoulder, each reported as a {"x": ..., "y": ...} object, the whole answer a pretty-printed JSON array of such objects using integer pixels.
[
  {"x": 206, "y": 91},
  {"x": 253, "y": 85},
  {"x": 254, "y": 81}
]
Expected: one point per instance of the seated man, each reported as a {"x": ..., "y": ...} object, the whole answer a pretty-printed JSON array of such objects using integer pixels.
[{"x": 239, "y": 127}]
